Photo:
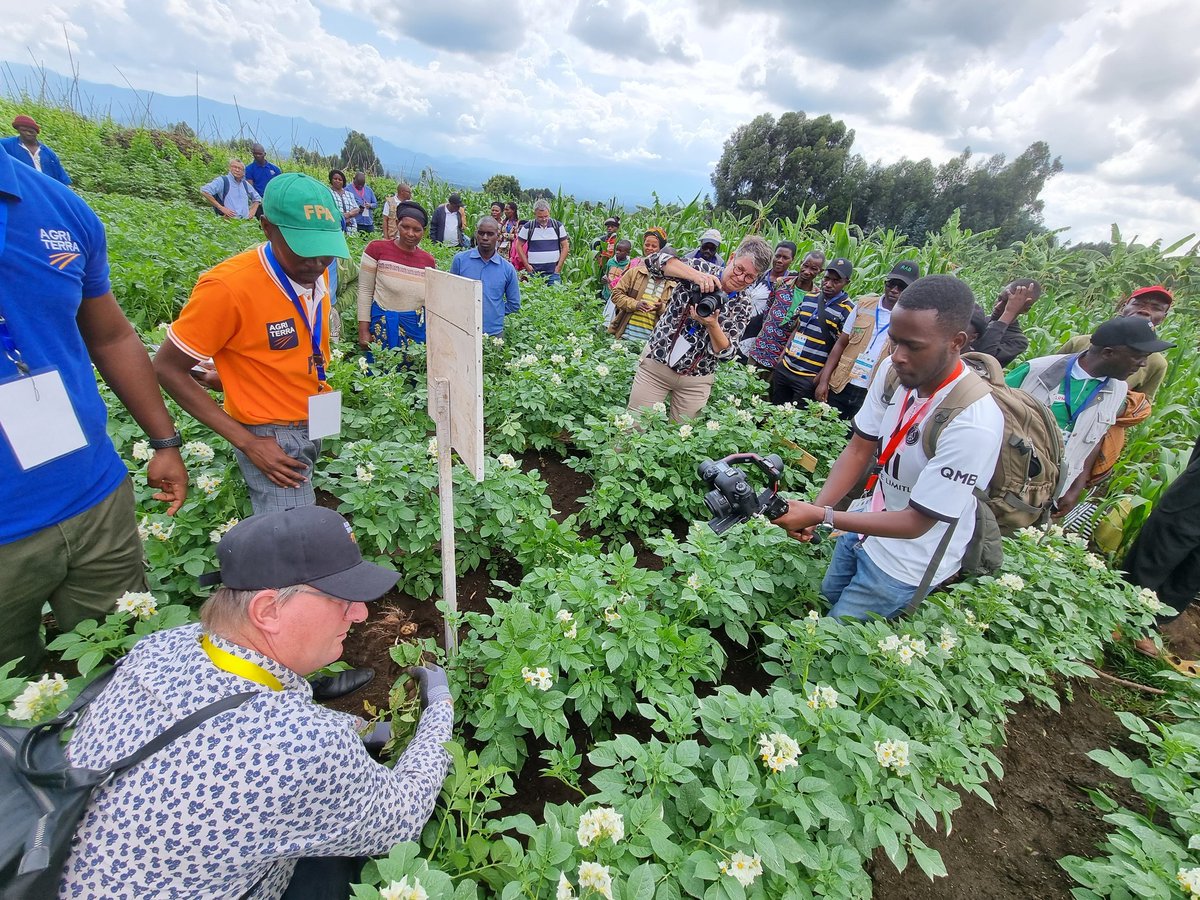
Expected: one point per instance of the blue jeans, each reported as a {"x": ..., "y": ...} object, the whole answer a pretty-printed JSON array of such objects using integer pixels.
[
  {"x": 551, "y": 277},
  {"x": 858, "y": 588}
]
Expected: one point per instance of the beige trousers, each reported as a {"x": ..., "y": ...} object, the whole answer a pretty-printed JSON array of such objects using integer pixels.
[{"x": 655, "y": 381}]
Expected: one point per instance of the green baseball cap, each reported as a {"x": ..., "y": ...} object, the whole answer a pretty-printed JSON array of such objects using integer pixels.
[{"x": 302, "y": 208}]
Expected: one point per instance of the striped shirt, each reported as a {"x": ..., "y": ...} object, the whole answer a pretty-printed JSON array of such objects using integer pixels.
[
  {"x": 392, "y": 277},
  {"x": 809, "y": 348},
  {"x": 543, "y": 244}
]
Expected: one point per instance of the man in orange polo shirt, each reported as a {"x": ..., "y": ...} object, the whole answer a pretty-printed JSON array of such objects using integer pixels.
[{"x": 263, "y": 318}]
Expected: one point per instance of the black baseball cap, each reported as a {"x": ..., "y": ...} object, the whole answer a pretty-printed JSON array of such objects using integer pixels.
[
  {"x": 307, "y": 545},
  {"x": 1130, "y": 331},
  {"x": 906, "y": 270},
  {"x": 842, "y": 266}
]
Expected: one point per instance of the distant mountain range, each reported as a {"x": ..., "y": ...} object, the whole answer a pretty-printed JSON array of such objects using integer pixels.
[{"x": 223, "y": 121}]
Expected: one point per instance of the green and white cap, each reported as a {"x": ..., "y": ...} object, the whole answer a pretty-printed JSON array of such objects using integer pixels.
[{"x": 302, "y": 208}]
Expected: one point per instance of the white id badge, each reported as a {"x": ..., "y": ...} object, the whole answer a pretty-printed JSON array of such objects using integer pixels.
[
  {"x": 324, "y": 415},
  {"x": 679, "y": 349},
  {"x": 38, "y": 419},
  {"x": 862, "y": 368},
  {"x": 862, "y": 504}
]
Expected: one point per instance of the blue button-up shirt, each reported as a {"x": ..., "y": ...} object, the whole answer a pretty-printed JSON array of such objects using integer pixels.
[
  {"x": 501, "y": 288},
  {"x": 259, "y": 175}
]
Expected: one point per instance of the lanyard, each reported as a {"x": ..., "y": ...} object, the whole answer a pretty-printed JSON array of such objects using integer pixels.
[
  {"x": 9, "y": 345},
  {"x": 317, "y": 360},
  {"x": 235, "y": 665},
  {"x": 1073, "y": 414},
  {"x": 886, "y": 326},
  {"x": 903, "y": 426}
]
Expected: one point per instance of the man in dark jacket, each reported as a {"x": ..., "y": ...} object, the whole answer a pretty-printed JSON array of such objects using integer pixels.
[
  {"x": 1002, "y": 336},
  {"x": 449, "y": 224}
]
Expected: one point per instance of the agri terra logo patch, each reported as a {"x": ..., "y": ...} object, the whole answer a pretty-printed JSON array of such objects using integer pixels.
[
  {"x": 282, "y": 335},
  {"x": 61, "y": 247}
]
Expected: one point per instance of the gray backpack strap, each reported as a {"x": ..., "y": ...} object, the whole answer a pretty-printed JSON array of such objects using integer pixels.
[{"x": 922, "y": 590}]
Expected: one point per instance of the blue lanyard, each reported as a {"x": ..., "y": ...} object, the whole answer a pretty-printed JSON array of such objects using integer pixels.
[
  {"x": 7, "y": 342},
  {"x": 9, "y": 345},
  {"x": 317, "y": 360},
  {"x": 884, "y": 329},
  {"x": 1073, "y": 414}
]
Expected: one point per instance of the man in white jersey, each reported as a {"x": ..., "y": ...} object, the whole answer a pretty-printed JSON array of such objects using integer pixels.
[{"x": 892, "y": 534}]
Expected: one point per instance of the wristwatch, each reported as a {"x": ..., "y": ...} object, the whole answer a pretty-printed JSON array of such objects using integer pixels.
[
  {"x": 827, "y": 522},
  {"x": 175, "y": 440}
]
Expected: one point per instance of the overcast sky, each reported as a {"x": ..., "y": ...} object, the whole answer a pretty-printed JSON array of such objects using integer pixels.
[{"x": 1112, "y": 87}]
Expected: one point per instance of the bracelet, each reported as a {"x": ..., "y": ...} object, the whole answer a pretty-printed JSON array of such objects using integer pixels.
[{"x": 175, "y": 440}]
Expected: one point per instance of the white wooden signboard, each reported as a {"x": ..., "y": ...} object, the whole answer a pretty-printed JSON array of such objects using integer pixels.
[
  {"x": 454, "y": 352},
  {"x": 454, "y": 364}
]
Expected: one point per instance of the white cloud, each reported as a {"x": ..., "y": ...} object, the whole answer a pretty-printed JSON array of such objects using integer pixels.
[{"x": 650, "y": 83}]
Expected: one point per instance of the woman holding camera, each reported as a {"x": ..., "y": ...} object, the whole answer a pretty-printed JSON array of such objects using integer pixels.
[{"x": 687, "y": 344}]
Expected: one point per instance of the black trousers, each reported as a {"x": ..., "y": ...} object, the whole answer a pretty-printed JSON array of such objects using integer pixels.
[
  {"x": 324, "y": 878},
  {"x": 788, "y": 387},
  {"x": 1165, "y": 557},
  {"x": 848, "y": 401}
]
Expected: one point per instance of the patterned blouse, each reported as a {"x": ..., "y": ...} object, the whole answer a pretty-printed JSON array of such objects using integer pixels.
[
  {"x": 700, "y": 359},
  {"x": 345, "y": 201},
  {"x": 234, "y": 803},
  {"x": 771, "y": 339}
]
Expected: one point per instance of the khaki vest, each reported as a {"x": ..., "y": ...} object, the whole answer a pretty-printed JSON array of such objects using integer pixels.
[{"x": 860, "y": 337}]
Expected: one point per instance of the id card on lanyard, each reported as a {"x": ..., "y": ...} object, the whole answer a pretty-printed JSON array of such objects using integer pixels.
[
  {"x": 325, "y": 406},
  {"x": 36, "y": 414}
]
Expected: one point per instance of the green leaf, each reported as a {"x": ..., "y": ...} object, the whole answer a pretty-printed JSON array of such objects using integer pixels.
[{"x": 640, "y": 883}]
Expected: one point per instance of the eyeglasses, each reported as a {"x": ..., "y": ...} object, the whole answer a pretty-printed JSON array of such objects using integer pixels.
[
  {"x": 896, "y": 283},
  {"x": 315, "y": 593}
]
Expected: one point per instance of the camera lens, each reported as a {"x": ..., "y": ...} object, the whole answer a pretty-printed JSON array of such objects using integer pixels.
[{"x": 716, "y": 503}]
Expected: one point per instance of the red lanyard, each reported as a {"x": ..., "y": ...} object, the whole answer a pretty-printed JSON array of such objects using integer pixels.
[{"x": 904, "y": 426}]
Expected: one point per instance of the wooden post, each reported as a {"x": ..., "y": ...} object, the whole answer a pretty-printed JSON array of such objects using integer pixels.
[{"x": 446, "y": 502}]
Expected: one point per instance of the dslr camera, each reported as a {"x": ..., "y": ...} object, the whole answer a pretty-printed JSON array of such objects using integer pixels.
[
  {"x": 709, "y": 304},
  {"x": 732, "y": 498}
]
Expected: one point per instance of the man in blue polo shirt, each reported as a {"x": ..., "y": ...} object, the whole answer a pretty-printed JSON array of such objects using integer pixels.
[
  {"x": 260, "y": 172},
  {"x": 69, "y": 532},
  {"x": 501, "y": 290}
]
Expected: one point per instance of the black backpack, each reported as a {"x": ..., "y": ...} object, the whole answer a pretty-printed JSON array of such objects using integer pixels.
[
  {"x": 226, "y": 183},
  {"x": 43, "y": 797}
]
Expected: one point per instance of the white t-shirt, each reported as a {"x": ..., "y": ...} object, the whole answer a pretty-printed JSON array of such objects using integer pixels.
[
  {"x": 450, "y": 231},
  {"x": 861, "y": 373},
  {"x": 967, "y": 450}
]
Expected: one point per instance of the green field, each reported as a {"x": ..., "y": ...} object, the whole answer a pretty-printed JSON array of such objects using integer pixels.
[{"x": 888, "y": 724}]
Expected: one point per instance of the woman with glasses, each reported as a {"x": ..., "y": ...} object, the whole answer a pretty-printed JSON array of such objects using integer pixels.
[{"x": 688, "y": 343}]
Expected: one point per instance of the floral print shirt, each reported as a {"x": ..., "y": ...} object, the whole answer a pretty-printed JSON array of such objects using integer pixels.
[
  {"x": 230, "y": 806},
  {"x": 700, "y": 358}
]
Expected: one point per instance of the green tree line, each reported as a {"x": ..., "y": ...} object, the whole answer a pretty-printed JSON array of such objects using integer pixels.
[{"x": 798, "y": 162}]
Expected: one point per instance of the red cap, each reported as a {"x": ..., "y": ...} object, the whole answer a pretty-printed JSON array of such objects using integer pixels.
[
  {"x": 1153, "y": 289},
  {"x": 26, "y": 122}
]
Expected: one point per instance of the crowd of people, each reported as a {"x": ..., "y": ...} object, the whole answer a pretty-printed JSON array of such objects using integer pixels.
[{"x": 283, "y": 796}]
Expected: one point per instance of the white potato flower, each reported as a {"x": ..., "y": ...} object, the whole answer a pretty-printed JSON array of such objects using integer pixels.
[
  {"x": 39, "y": 698},
  {"x": 596, "y": 877},
  {"x": 403, "y": 890},
  {"x": 892, "y": 754},
  {"x": 685, "y": 431},
  {"x": 199, "y": 451},
  {"x": 142, "y": 452},
  {"x": 507, "y": 461},
  {"x": 742, "y": 867},
  {"x": 137, "y": 603},
  {"x": 603, "y": 821}
]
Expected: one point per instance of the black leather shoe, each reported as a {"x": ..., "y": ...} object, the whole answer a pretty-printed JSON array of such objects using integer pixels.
[{"x": 330, "y": 687}]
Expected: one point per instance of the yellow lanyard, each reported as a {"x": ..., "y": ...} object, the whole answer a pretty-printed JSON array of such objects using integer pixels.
[{"x": 238, "y": 666}]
